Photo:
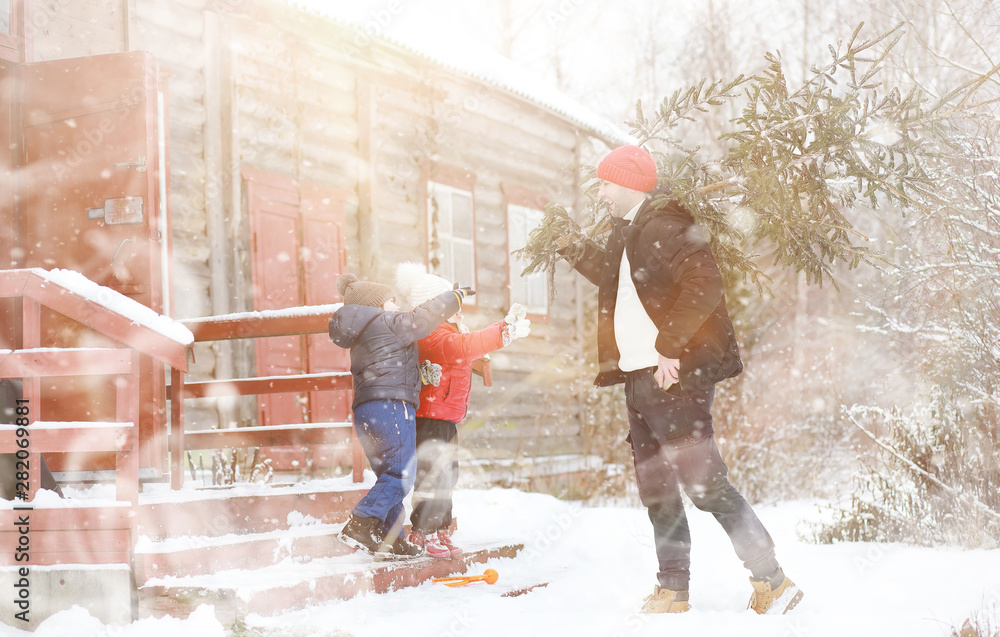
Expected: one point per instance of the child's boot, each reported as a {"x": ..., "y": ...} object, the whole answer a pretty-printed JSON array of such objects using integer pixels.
[
  {"x": 399, "y": 548},
  {"x": 431, "y": 543},
  {"x": 363, "y": 533},
  {"x": 444, "y": 537}
]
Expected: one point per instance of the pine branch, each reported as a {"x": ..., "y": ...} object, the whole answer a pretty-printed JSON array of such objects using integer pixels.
[{"x": 796, "y": 160}]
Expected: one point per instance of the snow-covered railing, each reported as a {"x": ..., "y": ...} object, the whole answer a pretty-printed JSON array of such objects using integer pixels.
[
  {"x": 63, "y": 531},
  {"x": 287, "y": 322},
  {"x": 60, "y": 531},
  {"x": 99, "y": 308}
]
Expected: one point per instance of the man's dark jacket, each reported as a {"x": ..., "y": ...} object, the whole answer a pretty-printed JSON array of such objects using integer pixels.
[
  {"x": 679, "y": 285},
  {"x": 383, "y": 346}
]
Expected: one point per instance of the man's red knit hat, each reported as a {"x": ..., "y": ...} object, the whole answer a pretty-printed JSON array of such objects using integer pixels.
[{"x": 630, "y": 167}]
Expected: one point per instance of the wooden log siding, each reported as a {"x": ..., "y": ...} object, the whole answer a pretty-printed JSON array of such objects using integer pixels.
[
  {"x": 72, "y": 31},
  {"x": 539, "y": 426},
  {"x": 288, "y": 89}
]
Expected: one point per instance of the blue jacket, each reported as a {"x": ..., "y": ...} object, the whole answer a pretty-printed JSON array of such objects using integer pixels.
[{"x": 384, "y": 352}]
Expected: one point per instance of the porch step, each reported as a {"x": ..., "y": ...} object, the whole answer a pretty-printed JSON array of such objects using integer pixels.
[
  {"x": 296, "y": 584},
  {"x": 245, "y": 508},
  {"x": 193, "y": 555}
]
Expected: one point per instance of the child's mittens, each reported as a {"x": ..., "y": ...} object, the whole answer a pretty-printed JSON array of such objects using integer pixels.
[
  {"x": 461, "y": 293},
  {"x": 515, "y": 325},
  {"x": 430, "y": 373},
  {"x": 515, "y": 313}
]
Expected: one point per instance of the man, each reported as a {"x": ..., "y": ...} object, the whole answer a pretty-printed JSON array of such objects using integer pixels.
[{"x": 664, "y": 331}]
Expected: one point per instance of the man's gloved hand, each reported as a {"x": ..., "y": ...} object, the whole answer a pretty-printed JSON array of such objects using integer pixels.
[{"x": 515, "y": 324}]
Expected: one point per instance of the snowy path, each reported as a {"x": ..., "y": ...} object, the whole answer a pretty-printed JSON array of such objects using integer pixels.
[{"x": 600, "y": 563}]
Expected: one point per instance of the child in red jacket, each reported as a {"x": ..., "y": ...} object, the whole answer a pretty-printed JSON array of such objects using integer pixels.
[{"x": 446, "y": 358}]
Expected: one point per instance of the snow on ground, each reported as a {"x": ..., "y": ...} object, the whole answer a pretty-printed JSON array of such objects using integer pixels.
[{"x": 599, "y": 563}]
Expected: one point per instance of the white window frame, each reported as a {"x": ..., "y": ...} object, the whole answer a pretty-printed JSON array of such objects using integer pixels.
[
  {"x": 531, "y": 291},
  {"x": 442, "y": 242},
  {"x": 7, "y": 12},
  {"x": 13, "y": 34}
]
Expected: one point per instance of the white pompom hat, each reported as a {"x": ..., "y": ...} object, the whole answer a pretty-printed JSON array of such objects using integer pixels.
[{"x": 418, "y": 286}]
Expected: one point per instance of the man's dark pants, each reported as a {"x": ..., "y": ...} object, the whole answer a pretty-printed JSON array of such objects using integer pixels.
[{"x": 673, "y": 448}]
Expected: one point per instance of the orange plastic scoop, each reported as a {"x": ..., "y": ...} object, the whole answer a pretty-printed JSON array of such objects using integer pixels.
[{"x": 489, "y": 576}]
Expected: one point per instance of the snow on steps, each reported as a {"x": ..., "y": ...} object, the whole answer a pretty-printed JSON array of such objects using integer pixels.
[
  {"x": 254, "y": 509},
  {"x": 265, "y": 549},
  {"x": 195, "y": 531},
  {"x": 194, "y": 555},
  {"x": 300, "y": 582}
]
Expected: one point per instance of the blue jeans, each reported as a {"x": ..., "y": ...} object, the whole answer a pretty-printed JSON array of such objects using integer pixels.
[
  {"x": 673, "y": 448},
  {"x": 387, "y": 433}
]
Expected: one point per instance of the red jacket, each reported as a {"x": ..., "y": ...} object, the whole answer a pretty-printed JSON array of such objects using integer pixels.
[{"x": 455, "y": 353}]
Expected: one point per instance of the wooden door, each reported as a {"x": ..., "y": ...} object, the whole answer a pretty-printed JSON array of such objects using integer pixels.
[
  {"x": 298, "y": 252},
  {"x": 274, "y": 216},
  {"x": 324, "y": 258},
  {"x": 9, "y": 118},
  {"x": 90, "y": 202}
]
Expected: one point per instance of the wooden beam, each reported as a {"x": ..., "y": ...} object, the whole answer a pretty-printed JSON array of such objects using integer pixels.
[
  {"x": 35, "y": 363},
  {"x": 61, "y": 437},
  {"x": 12, "y": 282},
  {"x": 269, "y": 436},
  {"x": 73, "y": 516},
  {"x": 328, "y": 381},
  {"x": 94, "y": 546},
  {"x": 176, "y": 394},
  {"x": 481, "y": 367},
  {"x": 219, "y": 329},
  {"x": 71, "y": 534},
  {"x": 106, "y": 321},
  {"x": 368, "y": 229}
]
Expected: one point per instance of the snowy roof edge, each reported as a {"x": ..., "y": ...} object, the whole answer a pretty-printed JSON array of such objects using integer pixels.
[{"x": 569, "y": 109}]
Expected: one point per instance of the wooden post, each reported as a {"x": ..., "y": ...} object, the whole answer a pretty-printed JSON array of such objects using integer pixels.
[
  {"x": 127, "y": 410},
  {"x": 31, "y": 337},
  {"x": 176, "y": 428},
  {"x": 358, "y": 459},
  {"x": 368, "y": 234}
]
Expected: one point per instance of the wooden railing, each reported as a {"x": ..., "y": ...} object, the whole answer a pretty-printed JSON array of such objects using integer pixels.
[
  {"x": 290, "y": 322},
  {"x": 70, "y": 532}
]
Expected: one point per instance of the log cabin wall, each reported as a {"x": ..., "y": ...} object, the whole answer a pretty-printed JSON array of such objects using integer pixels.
[
  {"x": 448, "y": 129},
  {"x": 254, "y": 84}
]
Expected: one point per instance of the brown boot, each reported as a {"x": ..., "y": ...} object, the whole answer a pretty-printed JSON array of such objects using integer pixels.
[
  {"x": 768, "y": 600},
  {"x": 664, "y": 600}
]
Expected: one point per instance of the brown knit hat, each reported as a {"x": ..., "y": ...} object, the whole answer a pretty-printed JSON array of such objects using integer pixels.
[
  {"x": 629, "y": 166},
  {"x": 358, "y": 292}
]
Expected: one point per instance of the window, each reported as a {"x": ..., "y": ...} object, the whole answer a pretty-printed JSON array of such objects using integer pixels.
[
  {"x": 451, "y": 249},
  {"x": 531, "y": 291},
  {"x": 11, "y": 31}
]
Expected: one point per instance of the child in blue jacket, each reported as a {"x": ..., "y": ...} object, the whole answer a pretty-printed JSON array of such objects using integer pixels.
[{"x": 384, "y": 353}]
